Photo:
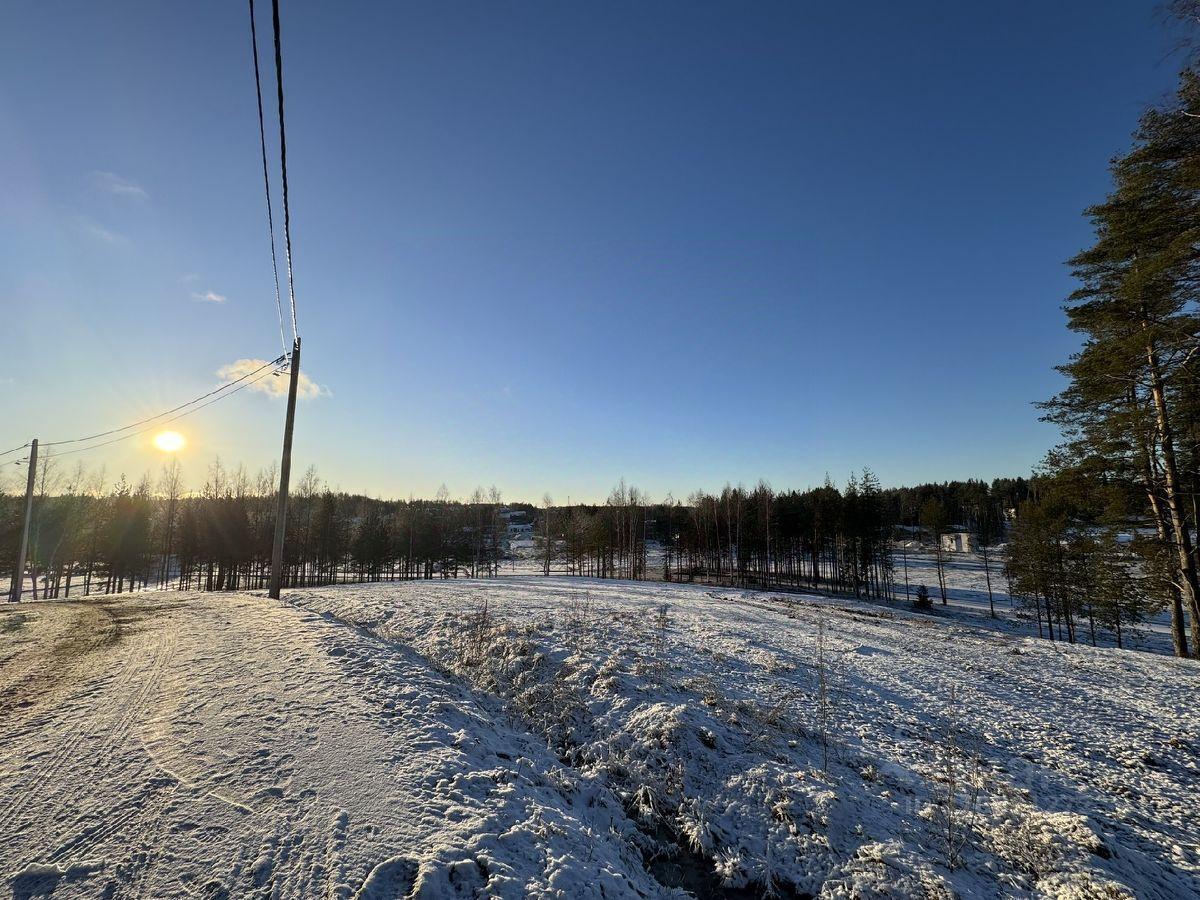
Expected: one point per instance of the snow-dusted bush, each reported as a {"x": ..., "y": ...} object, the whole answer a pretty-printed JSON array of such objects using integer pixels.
[{"x": 957, "y": 781}]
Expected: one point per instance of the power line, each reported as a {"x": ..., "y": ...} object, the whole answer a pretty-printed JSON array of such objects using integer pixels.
[
  {"x": 224, "y": 387},
  {"x": 123, "y": 437},
  {"x": 285, "y": 463},
  {"x": 278, "y": 365},
  {"x": 218, "y": 394},
  {"x": 262, "y": 138},
  {"x": 287, "y": 217},
  {"x": 15, "y": 449}
]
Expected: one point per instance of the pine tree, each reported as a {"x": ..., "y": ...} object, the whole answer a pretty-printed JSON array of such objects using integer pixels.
[
  {"x": 922, "y": 600},
  {"x": 1136, "y": 310}
]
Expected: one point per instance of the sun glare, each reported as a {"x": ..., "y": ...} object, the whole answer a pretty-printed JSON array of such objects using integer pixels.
[{"x": 169, "y": 441}]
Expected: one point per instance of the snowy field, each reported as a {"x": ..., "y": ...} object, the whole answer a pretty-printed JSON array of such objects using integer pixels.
[
  {"x": 572, "y": 738},
  {"x": 966, "y": 591},
  {"x": 967, "y": 596}
]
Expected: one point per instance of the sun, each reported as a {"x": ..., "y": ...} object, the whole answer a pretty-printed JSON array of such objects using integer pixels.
[{"x": 169, "y": 441}]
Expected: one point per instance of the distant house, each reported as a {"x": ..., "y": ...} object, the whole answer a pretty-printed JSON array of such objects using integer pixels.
[
  {"x": 520, "y": 530},
  {"x": 958, "y": 542}
]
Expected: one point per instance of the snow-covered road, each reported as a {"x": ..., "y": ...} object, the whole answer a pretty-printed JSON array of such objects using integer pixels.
[{"x": 166, "y": 745}]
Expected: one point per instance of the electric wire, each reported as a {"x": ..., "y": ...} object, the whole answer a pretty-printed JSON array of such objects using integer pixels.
[
  {"x": 262, "y": 139},
  {"x": 224, "y": 391},
  {"x": 278, "y": 365},
  {"x": 287, "y": 216},
  {"x": 124, "y": 437},
  {"x": 225, "y": 387}
]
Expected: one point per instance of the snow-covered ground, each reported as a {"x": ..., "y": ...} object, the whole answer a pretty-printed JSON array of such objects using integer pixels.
[
  {"x": 967, "y": 594},
  {"x": 567, "y": 737},
  {"x": 227, "y": 746}
]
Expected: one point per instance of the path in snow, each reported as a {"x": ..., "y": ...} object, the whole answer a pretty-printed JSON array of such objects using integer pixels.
[{"x": 226, "y": 746}]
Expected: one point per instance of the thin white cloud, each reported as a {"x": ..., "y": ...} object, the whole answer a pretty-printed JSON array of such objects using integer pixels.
[
  {"x": 272, "y": 385},
  {"x": 100, "y": 233},
  {"x": 209, "y": 297},
  {"x": 111, "y": 183}
]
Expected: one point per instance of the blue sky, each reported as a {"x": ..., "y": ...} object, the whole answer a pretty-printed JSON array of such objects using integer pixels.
[{"x": 548, "y": 245}]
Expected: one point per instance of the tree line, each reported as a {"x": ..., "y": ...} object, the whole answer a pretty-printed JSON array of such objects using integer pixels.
[
  {"x": 1066, "y": 562},
  {"x": 839, "y": 540},
  {"x": 88, "y": 536},
  {"x": 92, "y": 536}
]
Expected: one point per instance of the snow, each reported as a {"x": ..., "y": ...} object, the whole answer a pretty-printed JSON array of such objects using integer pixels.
[
  {"x": 226, "y": 745},
  {"x": 564, "y": 737},
  {"x": 967, "y": 596}
]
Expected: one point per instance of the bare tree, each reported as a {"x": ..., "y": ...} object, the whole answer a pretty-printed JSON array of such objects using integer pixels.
[{"x": 548, "y": 504}]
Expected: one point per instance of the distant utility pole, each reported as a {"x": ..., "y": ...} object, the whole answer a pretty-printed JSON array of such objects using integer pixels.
[
  {"x": 285, "y": 471},
  {"x": 18, "y": 582}
]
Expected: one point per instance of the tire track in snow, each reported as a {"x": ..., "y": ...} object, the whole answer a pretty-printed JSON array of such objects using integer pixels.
[
  {"x": 228, "y": 746},
  {"x": 56, "y": 722},
  {"x": 118, "y": 755},
  {"x": 41, "y": 673}
]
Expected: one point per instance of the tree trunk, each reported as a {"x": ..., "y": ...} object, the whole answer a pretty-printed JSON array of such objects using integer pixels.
[
  {"x": 1183, "y": 538},
  {"x": 1163, "y": 527}
]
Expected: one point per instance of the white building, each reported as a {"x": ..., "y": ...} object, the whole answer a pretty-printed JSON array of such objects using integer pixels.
[{"x": 958, "y": 542}]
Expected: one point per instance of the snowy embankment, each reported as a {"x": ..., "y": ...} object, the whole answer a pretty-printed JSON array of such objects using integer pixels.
[
  {"x": 228, "y": 746},
  {"x": 825, "y": 747},
  {"x": 530, "y": 737}
]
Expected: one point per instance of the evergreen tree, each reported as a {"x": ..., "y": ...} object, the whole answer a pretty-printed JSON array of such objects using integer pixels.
[
  {"x": 922, "y": 601},
  {"x": 1124, "y": 407}
]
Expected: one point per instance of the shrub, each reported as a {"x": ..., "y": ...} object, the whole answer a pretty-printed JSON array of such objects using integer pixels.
[{"x": 922, "y": 600}]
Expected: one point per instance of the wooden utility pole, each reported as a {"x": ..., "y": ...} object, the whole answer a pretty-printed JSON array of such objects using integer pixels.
[
  {"x": 285, "y": 471},
  {"x": 18, "y": 582}
]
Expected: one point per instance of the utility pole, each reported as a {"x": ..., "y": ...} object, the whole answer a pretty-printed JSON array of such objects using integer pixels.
[
  {"x": 285, "y": 471},
  {"x": 18, "y": 582}
]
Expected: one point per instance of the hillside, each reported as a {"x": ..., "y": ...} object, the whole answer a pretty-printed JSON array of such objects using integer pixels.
[{"x": 563, "y": 737}]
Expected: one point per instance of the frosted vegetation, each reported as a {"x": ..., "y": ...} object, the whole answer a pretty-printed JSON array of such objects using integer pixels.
[
  {"x": 567, "y": 737},
  {"x": 801, "y": 746}
]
